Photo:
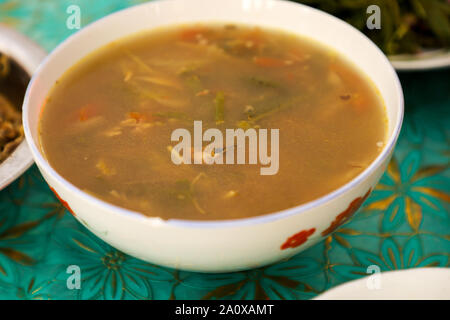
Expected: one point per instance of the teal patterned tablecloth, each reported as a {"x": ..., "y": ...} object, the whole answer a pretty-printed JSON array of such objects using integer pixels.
[{"x": 404, "y": 224}]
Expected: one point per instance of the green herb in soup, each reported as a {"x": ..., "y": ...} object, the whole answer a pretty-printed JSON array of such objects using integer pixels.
[{"x": 107, "y": 123}]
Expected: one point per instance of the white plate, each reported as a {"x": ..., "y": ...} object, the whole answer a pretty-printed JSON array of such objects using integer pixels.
[
  {"x": 428, "y": 60},
  {"x": 28, "y": 55},
  {"x": 409, "y": 284}
]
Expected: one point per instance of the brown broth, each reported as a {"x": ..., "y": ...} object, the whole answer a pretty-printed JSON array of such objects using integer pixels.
[{"x": 107, "y": 123}]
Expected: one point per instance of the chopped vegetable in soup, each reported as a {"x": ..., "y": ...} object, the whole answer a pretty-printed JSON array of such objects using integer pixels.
[{"x": 106, "y": 126}]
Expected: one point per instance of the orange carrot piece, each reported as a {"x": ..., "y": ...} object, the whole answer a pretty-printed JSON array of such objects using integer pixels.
[
  {"x": 191, "y": 33},
  {"x": 88, "y": 111},
  {"x": 268, "y": 62},
  {"x": 137, "y": 116},
  {"x": 359, "y": 104},
  {"x": 142, "y": 117},
  {"x": 256, "y": 36},
  {"x": 84, "y": 114}
]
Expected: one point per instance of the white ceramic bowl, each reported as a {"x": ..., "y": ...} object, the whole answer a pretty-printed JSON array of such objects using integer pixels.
[
  {"x": 28, "y": 55},
  {"x": 229, "y": 245},
  {"x": 427, "y": 60},
  {"x": 406, "y": 284}
]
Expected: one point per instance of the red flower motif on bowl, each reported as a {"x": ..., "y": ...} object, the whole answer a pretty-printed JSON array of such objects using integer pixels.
[
  {"x": 297, "y": 239},
  {"x": 345, "y": 215},
  {"x": 63, "y": 202}
]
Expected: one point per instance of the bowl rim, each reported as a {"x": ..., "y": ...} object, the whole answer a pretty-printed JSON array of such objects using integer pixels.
[
  {"x": 427, "y": 60},
  {"x": 261, "y": 219},
  {"x": 27, "y": 54}
]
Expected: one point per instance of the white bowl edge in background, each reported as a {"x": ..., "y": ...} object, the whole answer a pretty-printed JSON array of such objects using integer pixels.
[
  {"x": 430, "y": 60},
  {"x": 409, "y": 284}
]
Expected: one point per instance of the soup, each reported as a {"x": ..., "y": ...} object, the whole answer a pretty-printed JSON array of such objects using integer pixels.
[{"x": 107, "y": 124}]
